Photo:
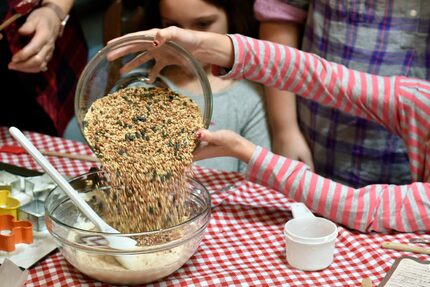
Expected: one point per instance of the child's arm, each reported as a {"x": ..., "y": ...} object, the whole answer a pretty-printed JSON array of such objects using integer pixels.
[
  {"x": 379, "y": 207},
  {"x": 368, "y": 96},
  {"x": 287, "y": 138}
]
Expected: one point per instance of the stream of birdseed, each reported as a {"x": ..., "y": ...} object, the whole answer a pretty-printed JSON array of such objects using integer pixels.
[{"x": 144, "y": 138}]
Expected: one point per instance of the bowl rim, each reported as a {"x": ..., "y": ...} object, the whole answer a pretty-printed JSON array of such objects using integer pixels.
[
  {"x": 101, "y": 55},
  {"x": 206, "y": 210}
]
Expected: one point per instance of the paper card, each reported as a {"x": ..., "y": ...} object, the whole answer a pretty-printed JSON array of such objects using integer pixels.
[
  {"x": 11, "y": 275},
  {"x": 408, "y": 272},
  {"x": 26, "y": 255}
]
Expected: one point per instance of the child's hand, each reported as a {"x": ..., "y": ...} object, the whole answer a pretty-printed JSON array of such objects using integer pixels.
[
  {"x": 147, "y": 51},
  {"x": 223, "y": 143},
  {"x": 209, "y": 48}
]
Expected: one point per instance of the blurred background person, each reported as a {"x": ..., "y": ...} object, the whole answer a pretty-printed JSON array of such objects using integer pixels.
[
  {"x": 41, "y": 57},
  {"x": 378, "y": 37},
  {"x": 237, "y": 105}
]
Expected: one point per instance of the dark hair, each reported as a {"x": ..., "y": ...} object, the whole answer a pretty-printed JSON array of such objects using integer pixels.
[{"x": 240, "y": 15}]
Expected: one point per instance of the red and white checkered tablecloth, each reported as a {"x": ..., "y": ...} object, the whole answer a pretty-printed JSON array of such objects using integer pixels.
[{"x": 243, "y": 244}]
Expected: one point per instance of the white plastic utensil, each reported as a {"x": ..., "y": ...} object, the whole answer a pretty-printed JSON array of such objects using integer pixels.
[{"x": 116, "y": 242}]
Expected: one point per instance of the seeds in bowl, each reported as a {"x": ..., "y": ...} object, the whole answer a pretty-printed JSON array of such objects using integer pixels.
[{"x": 144, "y": 138}]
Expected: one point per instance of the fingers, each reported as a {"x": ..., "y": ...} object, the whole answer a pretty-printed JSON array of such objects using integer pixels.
[
  {"x": 208, "y": 151},
  {"x": 149, "y": 33},
  {"x": 42, "y": 39},
  {"x": 28, "y": 28},
  {"x": 138, "y": 60},
  {"x": 34, "y": 46},
  {"x": 207, "y": 136},
  {"x": 160, "y": 35},
  {"x": 125, "y": 50},
  {"x": 143, "y": 57},
  {"x": 43, "y": 27},
  {"x": 155, "y": 71},
  {"x": 32, "y": 49},
  {"x": 160, "y": 38},
  {"x": 223, "y": 143},
  {"x": 36, "y": 63},
  {"x": 167, "y": 34},
  {"x": 34, "y": 57},
  {"x": 210, "y": 145}
]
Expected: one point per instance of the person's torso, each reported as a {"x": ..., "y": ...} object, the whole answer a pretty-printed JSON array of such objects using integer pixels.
[{"x": 384, "y": 37}]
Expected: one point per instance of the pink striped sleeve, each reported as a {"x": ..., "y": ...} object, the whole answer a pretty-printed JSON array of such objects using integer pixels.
[
  {"x": 373, "y": 208},
  {"x": 364, "y": 95}
]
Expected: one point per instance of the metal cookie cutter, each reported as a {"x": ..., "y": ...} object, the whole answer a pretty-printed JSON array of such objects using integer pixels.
[
  {"x": 19, "y": 232},
  {"x": 8, "y": 204},
  {"x": 34, "y": 211}
]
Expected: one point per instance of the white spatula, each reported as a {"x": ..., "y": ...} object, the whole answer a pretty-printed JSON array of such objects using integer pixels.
[{"x": 116, "y": 242}]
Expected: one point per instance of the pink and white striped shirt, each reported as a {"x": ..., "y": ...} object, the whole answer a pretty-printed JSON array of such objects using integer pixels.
[{"x": 400, "y": 104}]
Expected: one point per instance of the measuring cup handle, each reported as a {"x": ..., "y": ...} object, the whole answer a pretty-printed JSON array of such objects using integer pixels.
[{"x": 300, "y": 210}]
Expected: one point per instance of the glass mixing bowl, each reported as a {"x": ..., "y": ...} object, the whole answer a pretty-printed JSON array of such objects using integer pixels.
[
  {"x": 101, "y": 76},
  {"x": 163, "y": 252}
]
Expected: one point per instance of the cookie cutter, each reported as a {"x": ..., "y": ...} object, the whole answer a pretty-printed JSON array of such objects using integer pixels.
[
  {"x": 19, "y": 232},
  {"x": 34, "y": 211},
  {"x": 8, "y": 204}
]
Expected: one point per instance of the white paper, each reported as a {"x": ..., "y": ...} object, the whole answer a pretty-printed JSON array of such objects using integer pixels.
[
  {"x": 410, "y": 273},
  {"x": 11, "y": 275}
]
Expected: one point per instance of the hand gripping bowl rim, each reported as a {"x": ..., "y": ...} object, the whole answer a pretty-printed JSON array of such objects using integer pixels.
[{"x": 100, "y": 56}]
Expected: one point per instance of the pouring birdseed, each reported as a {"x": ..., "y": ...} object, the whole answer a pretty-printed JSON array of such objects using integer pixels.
[{"x": 144, "y": 138}]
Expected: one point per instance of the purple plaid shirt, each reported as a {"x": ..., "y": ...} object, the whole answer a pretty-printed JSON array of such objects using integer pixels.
[{"x": 384, "y": 37}]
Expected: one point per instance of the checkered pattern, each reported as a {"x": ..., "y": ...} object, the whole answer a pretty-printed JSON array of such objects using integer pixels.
[
  {"x": 65, "y": 166},
  {"x": 243, "y": 243}
]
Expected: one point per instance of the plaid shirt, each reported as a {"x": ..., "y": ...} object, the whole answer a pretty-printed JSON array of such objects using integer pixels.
[
  {"x": 384, "y": 37},
  {"x": 55, "y": 88}
]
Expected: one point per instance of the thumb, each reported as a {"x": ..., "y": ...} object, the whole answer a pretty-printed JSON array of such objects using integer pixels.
[
  {"x": 205, "y": 136},
  {"x": 28, "y": 28},
  {"x": 216, "y": 138}
]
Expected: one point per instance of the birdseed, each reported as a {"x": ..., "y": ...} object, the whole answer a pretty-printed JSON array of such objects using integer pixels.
[{"x": 144, "y": 138}]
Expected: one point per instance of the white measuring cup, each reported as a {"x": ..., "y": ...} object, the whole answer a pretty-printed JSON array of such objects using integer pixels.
[{"x": 309, "y": 240}]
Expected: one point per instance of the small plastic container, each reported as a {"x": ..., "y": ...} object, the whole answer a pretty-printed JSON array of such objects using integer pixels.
[
  {"x": 309, "y": 240},
  {"x": 101, "y": 76}
]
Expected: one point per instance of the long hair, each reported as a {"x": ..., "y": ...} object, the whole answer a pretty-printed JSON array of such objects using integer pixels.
[{"x": 240, "y": 15}]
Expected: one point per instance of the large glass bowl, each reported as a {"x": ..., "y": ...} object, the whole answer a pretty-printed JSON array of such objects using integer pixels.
[
  {"x": 101, "y": 76},
  {"x": 89, "y": 251}
]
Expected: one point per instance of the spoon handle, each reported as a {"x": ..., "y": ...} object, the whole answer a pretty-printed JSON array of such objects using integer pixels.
[
  {"x": 405, "y": 247},
  {"x": 59, "y": 179}
]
